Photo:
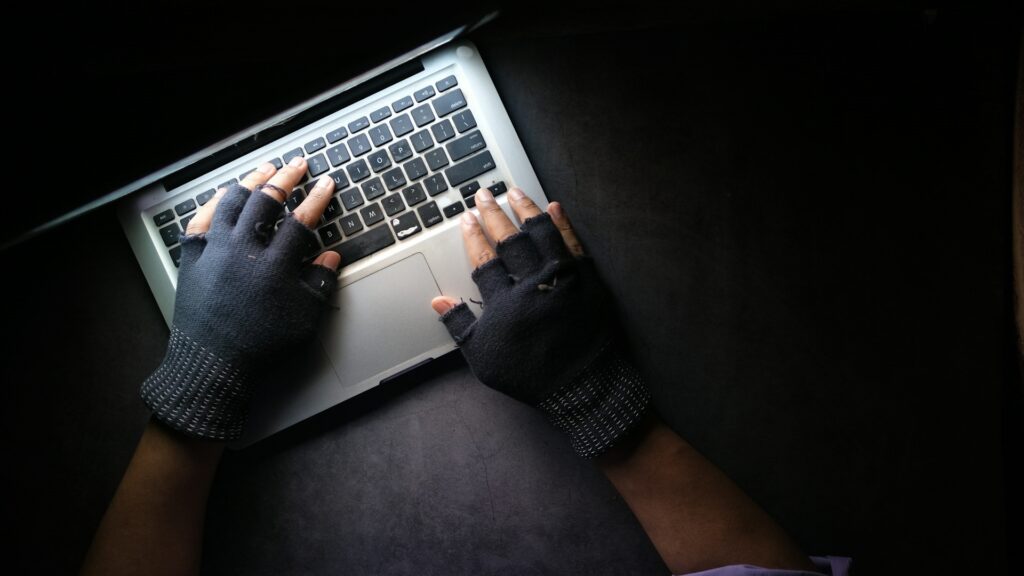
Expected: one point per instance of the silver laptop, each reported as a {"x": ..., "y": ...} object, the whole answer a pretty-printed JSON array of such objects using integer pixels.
[{"x": 406, "y": 160}]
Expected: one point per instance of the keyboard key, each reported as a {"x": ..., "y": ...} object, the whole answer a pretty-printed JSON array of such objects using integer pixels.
[
  {"x": 329, "y": 234},
  {"x": 358, "y": 124},
  {"x": 422, "y": 115},
  {"x": 185, "y": 207},
  {"x": 423, "y": 93},
  {"x": 372, "y": 214},
  {"x": 165, "y": 217},
  {"x": 430, "y": 214},
  {"x": 406, "y": 225},
  {"x": 444, "y": 84},
  {"x": 351, "y": 198},
  {"x": 469, "y": 189},
  {"x": 315, "y": 145},
  {"x": 400, "y": 150},
  {"x": 228, "y": 184},
  {"x": 465, "y": 145},
  {"x": 421, "y": 140},
  {"x": 435, "y": 184},
  {"x": 443, "y": 131},
  {"x": 359, "y": 145},
  {"x": 358, "y": 170},
  {"x": 402, "y": 104},
  {"x": 350, "y": 224},
  {"x": 497, "y": 189},
  {"x": 436, "y": 159},
  {"x": 277, "y": 163},
  {"x": 170, "y": 234},
  {"x": 380, "y": 114},
  {"x": 394, "y": 178},
  {"x": 379, "y": 160},
  {"x": 203, "y": 198},
  {"x": 317, "y": 165},
  {"x": 184, "y": 222},
  {"x": 295, "y": 199},
  {"x": 464, "y": 121},
  {"x": 380, "y": 135},
  {"x": 402, "y": 125},
  {"x": 336, "y": 134},
  {"x": 176, "y": 256},
  {"x": 450, "y": 102},
  {"x": 452, "y": 210},
  {"x": 415, "y": 169},
  {"x": 475, "y": 166},
  {"x": 333, "y": 210},
  {"x": 393, "y": 204},
  {"x": 338, "y": 155},
  {"x": 373, "y": 189},
  {"x": 364, "y": 244},
  {"x": 414, "y": 194},
  {"x": 340, "y": 181},
  {"x": 287, "y": 156}
]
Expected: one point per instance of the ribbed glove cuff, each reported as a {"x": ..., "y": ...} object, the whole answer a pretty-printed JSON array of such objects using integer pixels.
[
  {"x": 196, "y": 392},
  {"x": 602, "y": 405}
]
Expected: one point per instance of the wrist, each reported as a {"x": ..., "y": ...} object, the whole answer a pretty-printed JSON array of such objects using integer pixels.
[{"x": 602, "y": 406}]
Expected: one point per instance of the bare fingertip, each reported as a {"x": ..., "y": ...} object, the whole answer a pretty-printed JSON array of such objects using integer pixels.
[
  {"x": 221, "y": 192},
  {"x": 468, "y": 219},
  {"x": 329, "y": 259},
  {"x": 443, "y": 304},
  {"x": 266, "y": 168},
  {"x": 555, "y": 209}
]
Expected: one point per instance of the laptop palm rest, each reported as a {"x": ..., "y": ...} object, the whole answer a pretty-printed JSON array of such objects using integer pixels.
[{"x": 378, "y": 326}]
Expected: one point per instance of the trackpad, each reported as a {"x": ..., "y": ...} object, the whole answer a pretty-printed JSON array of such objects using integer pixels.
[{"x": 382, "y": 321}]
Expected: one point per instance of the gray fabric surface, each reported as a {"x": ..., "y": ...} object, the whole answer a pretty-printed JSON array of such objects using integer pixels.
[{"x": 818, "y": 248}]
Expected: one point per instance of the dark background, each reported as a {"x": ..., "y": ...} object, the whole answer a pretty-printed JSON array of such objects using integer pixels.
[{"x": 803, "y": 210}]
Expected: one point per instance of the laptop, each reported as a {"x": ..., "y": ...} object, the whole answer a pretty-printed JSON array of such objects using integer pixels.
[{"x": 407, "y": 144}]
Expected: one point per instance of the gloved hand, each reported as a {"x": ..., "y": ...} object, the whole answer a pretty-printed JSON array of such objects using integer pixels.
[
  {"x": 546, "y": 335},
  {"x": 245, "y": 292}
]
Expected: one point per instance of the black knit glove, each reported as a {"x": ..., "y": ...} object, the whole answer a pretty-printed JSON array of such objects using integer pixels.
[
  {"x": 245, "y": 293},
  {"x": 547, "y": 337}
]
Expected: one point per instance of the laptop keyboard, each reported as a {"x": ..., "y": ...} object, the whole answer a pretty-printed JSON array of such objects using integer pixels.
[{"x": 387, "y": 168}]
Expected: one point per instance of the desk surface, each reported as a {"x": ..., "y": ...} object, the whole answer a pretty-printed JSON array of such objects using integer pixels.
[{"x": 808, "y": 236}]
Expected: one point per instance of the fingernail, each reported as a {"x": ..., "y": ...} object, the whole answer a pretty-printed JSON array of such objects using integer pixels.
[
  {"x": 556, "y": 210},
  {"x": 266, "y": 168},
  {"x": 468, "y": 219},
  {"x": 445, "y": 306},
  {"x": 220, "y": 192},
  {"x": 324, "y": 182},
  {"x": 296, "y": 162},
  {"x": 484, "y": 195},
  {"x": 515, "y": 194}
]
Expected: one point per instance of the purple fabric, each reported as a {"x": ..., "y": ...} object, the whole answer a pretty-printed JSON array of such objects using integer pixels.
[{"x": 826, "y": 565}]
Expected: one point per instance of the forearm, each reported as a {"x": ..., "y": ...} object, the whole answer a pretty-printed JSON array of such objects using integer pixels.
[
  {"x": 696, "y": 517},
  {"x": 154, "y": 525}
]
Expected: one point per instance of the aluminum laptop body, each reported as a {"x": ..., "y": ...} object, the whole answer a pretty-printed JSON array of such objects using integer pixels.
[{"x": 382, "y": 324}]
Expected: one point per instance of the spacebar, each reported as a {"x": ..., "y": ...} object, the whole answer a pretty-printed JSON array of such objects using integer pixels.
[
  {"x": 365, "y": 244},
  {"x": 471, "y": 168}
]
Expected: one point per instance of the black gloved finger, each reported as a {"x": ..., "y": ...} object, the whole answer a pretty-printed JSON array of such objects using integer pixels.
[
  {"x": 546, "y": 237},
  {"x": 258, "y": 217},
  {"x": 230, "y": 206},
  {"x": 491, "y": 278},
  {"x": 518, "y": 254},
  {"x": 458, "y": 321},
  {"x": 294, "y": 241},
  {"x": 321, "y": 279},
  {"x": 191, "y": 248}
]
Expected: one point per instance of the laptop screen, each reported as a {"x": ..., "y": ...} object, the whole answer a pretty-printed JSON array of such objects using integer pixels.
[{"x": 135, "y": 99}]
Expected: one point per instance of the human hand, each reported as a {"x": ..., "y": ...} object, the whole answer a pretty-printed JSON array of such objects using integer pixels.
[
  {"x": 546, "y": 335},
  {"x": 245, "y": 293}
]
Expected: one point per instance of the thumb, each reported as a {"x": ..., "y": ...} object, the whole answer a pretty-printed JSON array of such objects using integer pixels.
[{"x": 457, "y": 317}]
